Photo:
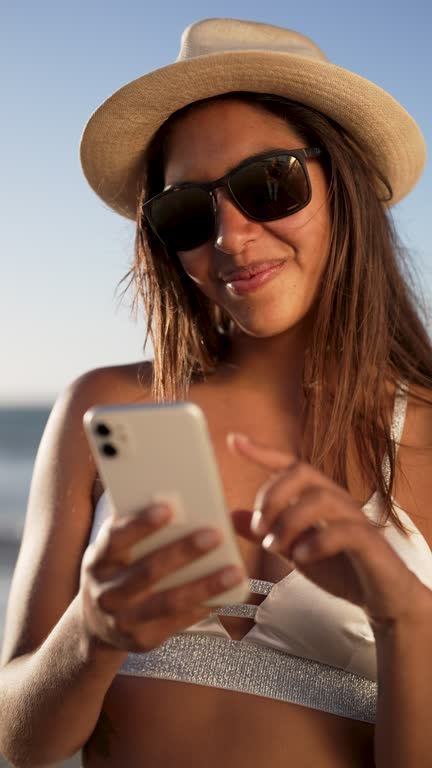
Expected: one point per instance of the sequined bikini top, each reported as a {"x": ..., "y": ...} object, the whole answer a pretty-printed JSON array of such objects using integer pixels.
[{"x": 306, "y": 646}]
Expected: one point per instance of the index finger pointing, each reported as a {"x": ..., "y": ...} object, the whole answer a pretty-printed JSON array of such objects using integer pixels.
[{"x": 269, "y": 458}]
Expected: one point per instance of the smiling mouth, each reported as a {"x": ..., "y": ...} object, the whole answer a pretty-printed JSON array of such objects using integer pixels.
[
  {"x": 250, "y": 279},
  {"x": 250, "y": 270}
]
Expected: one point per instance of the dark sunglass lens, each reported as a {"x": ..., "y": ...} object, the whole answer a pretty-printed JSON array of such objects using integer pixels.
[
  {"x": 272, "y": 188},
  {"x": 183, "y": 218}
]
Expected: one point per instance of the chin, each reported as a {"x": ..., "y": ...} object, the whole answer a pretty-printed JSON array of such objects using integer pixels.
[{"x": 266, "y": 329}]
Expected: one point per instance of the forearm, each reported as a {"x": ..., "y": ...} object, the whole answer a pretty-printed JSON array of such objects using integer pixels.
[
  {"x": 50, "y": 700},
  {"x": 403, "y": 735}
]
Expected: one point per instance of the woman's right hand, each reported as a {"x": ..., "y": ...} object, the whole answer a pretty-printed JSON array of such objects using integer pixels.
[{"x": 120, "y": 607}]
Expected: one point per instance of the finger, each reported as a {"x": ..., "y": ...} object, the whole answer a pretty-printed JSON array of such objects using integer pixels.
[
  {"x": 151, "y": 634},
  {"x": 136, "y": 581},
  {"x": 375, "y": 562},
  {"x": 286, "y": 492},
  {"x": 317, "y": 507},
  {"x": 326, "y": 541},
  {"x": 112, "y": 545},
  {"x": 173, "y": 602},
  {"x": 142, "y": 637},
  {"x": 268, "y": 458}
]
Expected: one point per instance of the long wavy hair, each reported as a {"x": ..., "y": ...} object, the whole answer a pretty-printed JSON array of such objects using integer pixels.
[{"x": 368, "y": 320}]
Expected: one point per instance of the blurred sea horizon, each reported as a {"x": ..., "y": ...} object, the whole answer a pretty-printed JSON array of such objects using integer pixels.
[{"x": 21, "y": 428}]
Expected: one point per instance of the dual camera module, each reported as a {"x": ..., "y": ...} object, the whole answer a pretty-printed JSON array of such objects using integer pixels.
[{"x": 101, "y": 430}]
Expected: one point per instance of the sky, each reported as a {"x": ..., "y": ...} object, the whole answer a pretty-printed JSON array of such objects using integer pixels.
[{"x": 62, "y": 251}]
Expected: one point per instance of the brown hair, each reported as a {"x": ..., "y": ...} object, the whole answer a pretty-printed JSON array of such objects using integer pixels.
[{"x": 367, "y": 319}]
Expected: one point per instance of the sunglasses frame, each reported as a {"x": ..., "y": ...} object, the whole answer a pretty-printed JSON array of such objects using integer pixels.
[{"x": 303, "y": 154}]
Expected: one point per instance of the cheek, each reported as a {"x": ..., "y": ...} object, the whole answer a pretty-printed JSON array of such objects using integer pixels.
[
  {"x": 306, "y": 232},
  {"x": 195, "y": 264}
]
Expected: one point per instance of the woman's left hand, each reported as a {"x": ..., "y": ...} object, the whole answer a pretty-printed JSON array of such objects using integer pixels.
[{"x": 314, "y": 523}]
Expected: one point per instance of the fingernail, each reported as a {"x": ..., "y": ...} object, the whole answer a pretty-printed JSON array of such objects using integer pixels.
[
  {"x": 301, "y": 552},
  {"x": 207, "y": 539},
  {"x": 158, "y": 513},
  {"x": 270, "y": 541},
  {"x": 257, "y": 523},
  {"x": 236, "y": 436},
  {"x": 231, "y": 576}
]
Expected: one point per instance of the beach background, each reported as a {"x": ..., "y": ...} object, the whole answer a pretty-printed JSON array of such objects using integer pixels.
[
  {"x": 21, "y": 428},
  {"x": 63, "y": 252},
  {"x": 20, "y": 432}
]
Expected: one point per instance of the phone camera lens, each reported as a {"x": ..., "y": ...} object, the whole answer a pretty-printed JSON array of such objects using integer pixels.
[
  {"x": 102, "y": 430},
  {"x": 108, "y": 449}
]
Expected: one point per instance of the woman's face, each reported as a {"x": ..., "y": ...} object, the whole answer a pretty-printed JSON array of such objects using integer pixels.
[{"x": 204, "y": 145}]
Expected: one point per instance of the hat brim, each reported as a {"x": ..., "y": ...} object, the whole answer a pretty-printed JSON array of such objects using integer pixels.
[{"x": 116, "y": 137}]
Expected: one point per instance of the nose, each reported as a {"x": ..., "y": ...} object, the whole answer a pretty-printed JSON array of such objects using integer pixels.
[{"x": 233, "y": 228}]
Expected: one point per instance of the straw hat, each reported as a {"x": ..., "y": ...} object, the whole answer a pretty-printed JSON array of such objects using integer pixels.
[{"x": 222, "y": 55}]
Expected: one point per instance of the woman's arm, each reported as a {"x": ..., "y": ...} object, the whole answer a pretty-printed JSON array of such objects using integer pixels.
[
  {"x": 404, "y": 650},
  {"x": 371, "y": 575},
  {"x": 50, "y": 699},
  {"x": 75, "y": 611},
  {"x": 52, "y": 682},
  {"x": 403, "y": 733}
]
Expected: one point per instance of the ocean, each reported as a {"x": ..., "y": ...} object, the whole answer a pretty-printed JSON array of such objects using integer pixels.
[
  {"x": 21, "y": 429},
  {"x": 20, "y": 432}
]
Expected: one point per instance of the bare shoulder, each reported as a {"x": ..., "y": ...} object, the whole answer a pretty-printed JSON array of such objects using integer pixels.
[
  {"x": 116, "y": 383},
  {"x": 60, "y": 508},
  {"x": 419, "y": 417},
  {"x": 413, "y": 483},
  {"x": 63, "y": 444}
]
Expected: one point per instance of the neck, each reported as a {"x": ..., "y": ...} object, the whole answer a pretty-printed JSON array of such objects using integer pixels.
[{"x": 272, "y": 367}]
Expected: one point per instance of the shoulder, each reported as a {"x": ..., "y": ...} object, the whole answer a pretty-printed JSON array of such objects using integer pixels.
[
  {"x": 99, "y": 386},
  {"x": 413, "y": 481},
  {"x": 112, "y": 384},
  {"x": 64, "y": 460},
  {"x": 417, "y": 426},
  {"x": 418, "y": 423}
]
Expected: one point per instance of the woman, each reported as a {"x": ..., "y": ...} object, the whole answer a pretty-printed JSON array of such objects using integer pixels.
[{"x": 275, "y": 300}]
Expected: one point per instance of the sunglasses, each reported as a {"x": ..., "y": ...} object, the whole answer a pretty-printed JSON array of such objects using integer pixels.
[{"x": 265, "y": 187}]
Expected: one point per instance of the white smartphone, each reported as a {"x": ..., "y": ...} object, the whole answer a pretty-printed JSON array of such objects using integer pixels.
[{"x": 162, "y": 453}]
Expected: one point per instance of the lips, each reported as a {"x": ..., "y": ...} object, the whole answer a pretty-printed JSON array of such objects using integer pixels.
[
  {"x": 248, "y": 283},
  {"x": 250, "y": 270}
]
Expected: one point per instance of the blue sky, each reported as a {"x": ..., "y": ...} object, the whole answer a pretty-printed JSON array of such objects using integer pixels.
[{"x": 62, "y": 252}]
